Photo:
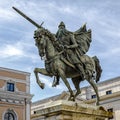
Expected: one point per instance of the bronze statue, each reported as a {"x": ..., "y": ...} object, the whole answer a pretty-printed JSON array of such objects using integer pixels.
[
  {"x": 65, "y": 57},
  {"x": 69, "y": 44}
]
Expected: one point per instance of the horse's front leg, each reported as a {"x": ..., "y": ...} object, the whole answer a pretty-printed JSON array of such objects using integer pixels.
[
  {"x": 63, "y": 77},
  {"x": 41, "y": 71}
]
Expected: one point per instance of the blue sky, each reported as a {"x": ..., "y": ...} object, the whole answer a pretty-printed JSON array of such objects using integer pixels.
[{"x": 18, "y": 49}]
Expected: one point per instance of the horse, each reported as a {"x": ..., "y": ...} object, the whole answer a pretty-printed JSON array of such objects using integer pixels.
[{"x": 55, "y": 66}]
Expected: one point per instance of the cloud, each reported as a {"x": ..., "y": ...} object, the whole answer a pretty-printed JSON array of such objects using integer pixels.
[
  {"x": 6, "y": 15},
  {"x": 109, "y": 53},
  {"x": 22, "y": 48},
  {"x": 10, "y": 51},
  {"x": 17, "y": 44}
]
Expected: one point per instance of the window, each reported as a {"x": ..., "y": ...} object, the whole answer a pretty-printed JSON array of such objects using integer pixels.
[
  {"x": 110, "y": 110},
  {"x": 108, "y": 92},
  {"x": 10, "y": 115},
  {"x": 34, "y": 112},
  {"x": 10, "y": 87},
  {"x": 93, "y": 96}
]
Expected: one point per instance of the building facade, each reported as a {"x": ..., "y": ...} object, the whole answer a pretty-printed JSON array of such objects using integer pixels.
[
  {"x": 15, "y": 97},
  {"x": 109, "y": 92}
]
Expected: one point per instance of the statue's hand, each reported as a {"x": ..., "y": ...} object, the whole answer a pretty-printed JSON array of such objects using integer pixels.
[
  {"x": 61, "y": 47},
  {"x": 66, "y": 47}
]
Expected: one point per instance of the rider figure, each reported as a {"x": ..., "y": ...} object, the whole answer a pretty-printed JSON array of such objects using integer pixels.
[{"x": 67, "y": 41}]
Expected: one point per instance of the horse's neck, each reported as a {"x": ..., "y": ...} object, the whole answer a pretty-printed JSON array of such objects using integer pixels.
[{"x": 50, "y": 50}]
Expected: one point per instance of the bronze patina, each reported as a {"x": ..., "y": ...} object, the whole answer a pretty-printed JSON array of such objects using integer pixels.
[{"x": 64, "y": 54}]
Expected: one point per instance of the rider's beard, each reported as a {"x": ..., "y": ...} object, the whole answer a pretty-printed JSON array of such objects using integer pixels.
[{"x": 62, "y": 32}]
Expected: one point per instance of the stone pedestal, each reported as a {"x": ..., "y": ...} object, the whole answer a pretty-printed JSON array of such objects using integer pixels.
[{"x": 67, "y": 110}]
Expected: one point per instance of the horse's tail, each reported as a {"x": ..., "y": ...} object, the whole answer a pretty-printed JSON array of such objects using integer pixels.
[{"x": 97, "y": 68}]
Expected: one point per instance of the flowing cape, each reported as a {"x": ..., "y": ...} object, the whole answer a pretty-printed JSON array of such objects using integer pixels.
[{"x": 83, "y": 39}]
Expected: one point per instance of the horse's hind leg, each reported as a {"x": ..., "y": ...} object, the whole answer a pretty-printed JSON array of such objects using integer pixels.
[
  {"x": 92, "y": 83},
  {"x": 56, "y": 81},
  {"x": 42, "y": 71},
  {"x": 76, "y": 82}
]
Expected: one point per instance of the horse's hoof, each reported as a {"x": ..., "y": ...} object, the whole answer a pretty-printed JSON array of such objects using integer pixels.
[
  {"x": 53, "y": 85},
  {"x": 42, "y": 85},
  {"x": 71, "y": 99},
  {"x": 97, "y": 104}
]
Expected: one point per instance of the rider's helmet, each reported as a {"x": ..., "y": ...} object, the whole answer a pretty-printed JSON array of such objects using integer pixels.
[{"x": 61, "y": 24}]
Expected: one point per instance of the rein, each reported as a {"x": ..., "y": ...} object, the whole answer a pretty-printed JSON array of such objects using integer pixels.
[
  {"x": 55, "y": 57},
  {"x": 63, "y": 59}
]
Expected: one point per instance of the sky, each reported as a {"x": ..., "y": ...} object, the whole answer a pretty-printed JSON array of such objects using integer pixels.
[{"x": 17, "y": 46}]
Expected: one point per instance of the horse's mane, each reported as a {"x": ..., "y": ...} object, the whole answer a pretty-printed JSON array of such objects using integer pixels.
[{"x": 50, "y": 35}]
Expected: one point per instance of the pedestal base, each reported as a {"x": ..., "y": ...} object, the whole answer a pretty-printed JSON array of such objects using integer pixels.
[{"x": 67, "y": 110}]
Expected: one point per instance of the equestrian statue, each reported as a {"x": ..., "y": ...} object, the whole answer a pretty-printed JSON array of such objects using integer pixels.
[{"x": 64, "y": 54}]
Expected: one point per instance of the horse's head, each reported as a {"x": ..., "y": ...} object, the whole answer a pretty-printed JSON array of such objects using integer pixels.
[
  {"x": 44, "y": 40},
  {"x": 40, "y": 42}
]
